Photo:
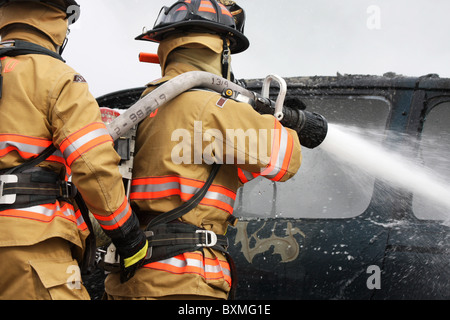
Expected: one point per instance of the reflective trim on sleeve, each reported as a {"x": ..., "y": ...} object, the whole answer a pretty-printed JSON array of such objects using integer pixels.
[
  {"x": 83, "y": 140},
  {"x": 115, "y": 220}
]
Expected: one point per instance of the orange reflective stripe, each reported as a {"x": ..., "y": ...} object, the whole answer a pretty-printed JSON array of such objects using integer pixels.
[
  {"x": 117, "y": 219},
  {"x": 280, "y": 159},
  {"x": 41, "y": 142},
  {"x": 282, "y": 148},
  {"x": 59, "y": 159},
  {"x": 194, "y": 263},
  {"x": 206, "y": 6},
  {"x": 286, "y": 159},
  {"x": 246, "y": 176},
  {"x": 242, "y": 176},
  {"x": 47, "y": 213},
  {"x": 81, "y": 223},
  {"x": 152, "y": 188},
  {"x": 27, "y": 147}
]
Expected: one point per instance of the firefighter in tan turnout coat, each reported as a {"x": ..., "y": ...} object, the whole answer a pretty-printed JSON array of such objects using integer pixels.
[
  {"x": 44, "y": 102},
  {"x": 177, "y": 144}
]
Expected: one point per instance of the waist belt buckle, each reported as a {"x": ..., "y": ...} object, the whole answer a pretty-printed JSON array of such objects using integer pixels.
[
  {"x": 68, "y": 190},
  {"x": 210, "y": 237},
  {"x": 7, "y": 198}
]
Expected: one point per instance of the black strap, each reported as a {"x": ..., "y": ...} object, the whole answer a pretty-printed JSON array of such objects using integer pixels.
[
  {"x": 16, "y": 48},
  {"x": 33, "y": 162},
  {"x": 188, "y": 205},
  {"x": 87, "y": 266},
  {"x": 225, "y": 58},
  {"x": 170, "y": 240}
]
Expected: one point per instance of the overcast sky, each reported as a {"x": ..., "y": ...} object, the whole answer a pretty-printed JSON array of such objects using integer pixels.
[{"x": 288, "y": 38}]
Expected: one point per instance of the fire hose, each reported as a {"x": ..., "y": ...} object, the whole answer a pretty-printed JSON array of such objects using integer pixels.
[{"x": 311, "y": 127}]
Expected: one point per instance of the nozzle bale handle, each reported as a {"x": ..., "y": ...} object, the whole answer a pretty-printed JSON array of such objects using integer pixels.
[{"x": 312, "y": 129}]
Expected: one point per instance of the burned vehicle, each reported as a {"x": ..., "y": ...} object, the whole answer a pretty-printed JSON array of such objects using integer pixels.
[{"x": 334, "y": 232}]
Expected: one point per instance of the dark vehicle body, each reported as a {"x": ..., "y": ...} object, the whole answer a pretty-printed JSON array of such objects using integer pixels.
[{"x": 332, "y": 232}]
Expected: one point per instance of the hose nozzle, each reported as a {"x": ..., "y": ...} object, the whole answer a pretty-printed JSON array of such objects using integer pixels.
[{"x": 312, "y": 129}]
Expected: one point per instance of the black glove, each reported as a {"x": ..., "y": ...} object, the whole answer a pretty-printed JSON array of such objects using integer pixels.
[
  {"x": 133, "y": 250},
  {"x": 129, "y": 265}
]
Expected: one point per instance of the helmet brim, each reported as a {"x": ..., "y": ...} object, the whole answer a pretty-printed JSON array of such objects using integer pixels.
[{"x": 238, "y": 41}]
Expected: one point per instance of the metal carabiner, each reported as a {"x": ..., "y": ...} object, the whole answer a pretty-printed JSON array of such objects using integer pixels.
[{"x": 281, "y": 96}]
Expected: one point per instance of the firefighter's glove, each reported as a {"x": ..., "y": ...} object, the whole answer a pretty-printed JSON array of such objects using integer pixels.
[
  {"x": 132, "y": 251},
  {"x": 129, "y": 265}
]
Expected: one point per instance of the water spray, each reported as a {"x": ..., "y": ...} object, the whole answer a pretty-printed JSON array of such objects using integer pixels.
[{"x": 392, "y": 168}]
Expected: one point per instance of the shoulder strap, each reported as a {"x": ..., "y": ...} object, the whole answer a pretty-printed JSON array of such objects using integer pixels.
[
  {"x": 16, "y": 48},
  {"x": 33, "y": 162}
]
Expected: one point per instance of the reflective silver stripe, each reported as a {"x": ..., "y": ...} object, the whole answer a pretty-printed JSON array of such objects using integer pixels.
[
  {"x": 189, "y": 262},
  {"x": 48, "y": 212},
  {"x": 247, "y": 175},
  {"x": 28, "y": 148},
  {"x": 24, "y": 147},
  {"x": 217, "y": 269},
  {"x": 68, "y": 212},
  {"x": 212, "y": 195},
  {"x": 77, "y": 144},
  {"x": 114, "y": 218},
  {"x": 80, "y": 220},
  {"x": 155, "y": 187}
]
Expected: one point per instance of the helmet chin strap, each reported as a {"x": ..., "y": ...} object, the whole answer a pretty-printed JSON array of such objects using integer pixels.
[
  {"x": 64, "y": 44},
  {"x": 226, "y": 67},
  {"x": 225, "y": 59}
]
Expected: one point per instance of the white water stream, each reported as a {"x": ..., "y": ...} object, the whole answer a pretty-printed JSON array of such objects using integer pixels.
[{"x": 391, "y": 167}]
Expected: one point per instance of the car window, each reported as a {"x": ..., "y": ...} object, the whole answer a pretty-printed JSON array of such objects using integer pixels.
[
  {"x": 434, "y": 153},
  {"x": 323, "y": 187}
]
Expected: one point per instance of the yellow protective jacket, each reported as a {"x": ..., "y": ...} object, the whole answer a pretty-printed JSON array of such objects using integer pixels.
[
  {"x": 174, "y": 148},
  {"x": 46, "y": 102}
]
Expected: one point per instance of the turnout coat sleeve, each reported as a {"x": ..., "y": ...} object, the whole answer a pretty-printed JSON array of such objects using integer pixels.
[
  {"x": 88, "y": 149},
  {"x": 257, "y": 144}
]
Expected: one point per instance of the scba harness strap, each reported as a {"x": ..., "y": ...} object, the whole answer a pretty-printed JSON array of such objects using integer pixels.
[
  {"x": 14, "y": 48},
  {"x": 27, "y": 185}
]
